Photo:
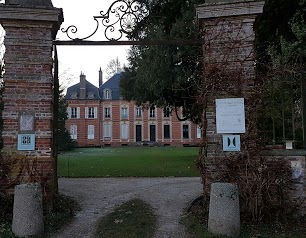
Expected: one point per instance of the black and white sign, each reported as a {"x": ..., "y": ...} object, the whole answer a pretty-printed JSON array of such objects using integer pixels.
[
  {"x": 230, "y": 115},
  {"x": 231, "y": 142}
]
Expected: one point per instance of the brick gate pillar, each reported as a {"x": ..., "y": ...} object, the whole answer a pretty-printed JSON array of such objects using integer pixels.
[
  {"x": 31, "y": 27},
  {"x": 229, "y": 66}
]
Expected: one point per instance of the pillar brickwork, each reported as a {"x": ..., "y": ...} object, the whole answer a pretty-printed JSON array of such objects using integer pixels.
[
  {"x": 30, "y": 31},
  {"x": 229, "y": 64}
]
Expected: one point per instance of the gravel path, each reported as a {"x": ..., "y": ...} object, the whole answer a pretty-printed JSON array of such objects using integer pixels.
[{"x": 97, "y": 197}]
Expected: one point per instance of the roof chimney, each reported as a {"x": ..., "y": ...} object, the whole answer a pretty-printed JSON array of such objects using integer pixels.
[
  {"x": 82, "y": 85},
  {"x": 100, "y": 77}
]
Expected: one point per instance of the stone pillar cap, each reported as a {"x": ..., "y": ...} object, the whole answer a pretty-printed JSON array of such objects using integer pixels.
[
  {"x": 230, "y": 8},
  {"x": 30, "y": 3}
]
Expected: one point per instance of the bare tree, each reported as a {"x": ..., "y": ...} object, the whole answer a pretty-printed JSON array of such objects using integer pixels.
[
  {"x": 66, "y": 77},
  {"x": 112, "y": 67}
]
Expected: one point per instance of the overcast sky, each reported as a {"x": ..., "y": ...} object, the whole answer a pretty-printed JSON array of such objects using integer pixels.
[{"x": 87, "y": 59}]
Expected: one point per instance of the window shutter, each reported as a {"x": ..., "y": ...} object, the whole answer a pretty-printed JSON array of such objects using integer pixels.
[
  {"x": 109, "y": 128},
  {"x": 69, "y": 112},
  {"x": 107, "y": 131},
  {"x": 78, "y": 112},
  {"x": 86, "y": 112},
  {"x": 71, "y": 132},
  {"x": 74, "y": 132},
  {"x": 124, "y": 131},
  {"x": 95, "y": 112},
  {"x": 91, "y": 132}
]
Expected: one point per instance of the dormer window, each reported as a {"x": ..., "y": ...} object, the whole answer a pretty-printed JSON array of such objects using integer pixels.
[
  {"x": 74, "y": 95},
  {"x": 91, "y": 95},
  {"x": 107, "y": 94}
]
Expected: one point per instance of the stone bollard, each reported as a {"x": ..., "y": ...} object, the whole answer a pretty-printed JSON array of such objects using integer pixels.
[
  {"x": 28, "y": 210},
  {"x": 224, "y": 210}
]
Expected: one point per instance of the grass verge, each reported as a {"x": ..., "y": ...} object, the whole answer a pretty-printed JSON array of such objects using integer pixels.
[
  {"x": 133, "y": 219},
  {"x": 61, "y": 215},
  {"x": 196, "y": 220},
  {"x": 129, "y": 162}
]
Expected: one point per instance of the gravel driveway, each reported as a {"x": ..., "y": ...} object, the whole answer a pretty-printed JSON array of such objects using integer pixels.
[{"x": 97, "y": 197}]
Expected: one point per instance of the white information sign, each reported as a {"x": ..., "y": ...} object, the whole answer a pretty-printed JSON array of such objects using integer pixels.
[{"x": 230, "y": 115}]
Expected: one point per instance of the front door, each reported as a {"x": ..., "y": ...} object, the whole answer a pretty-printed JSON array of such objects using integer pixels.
[
  {"x": 138, "y": 133},
  {"x": 152, "y": 133}
]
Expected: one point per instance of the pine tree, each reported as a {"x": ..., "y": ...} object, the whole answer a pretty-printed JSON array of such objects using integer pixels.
[{"x": 64, "y": 140}]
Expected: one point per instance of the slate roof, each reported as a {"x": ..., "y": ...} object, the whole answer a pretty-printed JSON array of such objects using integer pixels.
[
  {"x": 113, "y": 85},
  {"x": 92, "y": 92}
]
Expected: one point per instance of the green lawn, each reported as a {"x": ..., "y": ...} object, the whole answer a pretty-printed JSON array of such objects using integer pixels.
[
  {"x": 129, "y": 162},
  {"x": 132, "y": 219}
]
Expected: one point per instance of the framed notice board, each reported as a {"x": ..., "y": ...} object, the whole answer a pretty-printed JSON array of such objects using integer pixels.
[{"x": 230, "y": 115}]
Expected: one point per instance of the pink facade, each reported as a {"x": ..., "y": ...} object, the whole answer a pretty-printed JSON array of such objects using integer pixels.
[{"x": 100, "y": 117}]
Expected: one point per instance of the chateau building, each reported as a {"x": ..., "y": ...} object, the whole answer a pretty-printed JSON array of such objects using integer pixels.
[{"x": 100, "y": 117}]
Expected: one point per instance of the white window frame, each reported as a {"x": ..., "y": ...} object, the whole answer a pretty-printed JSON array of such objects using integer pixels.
[
  {"x": 166, "y": 110},
  {"x": 138, "y": 112},
  {"x": 152, "y": 112},
  {"x": 75, "y": 113},
  {"x": 107, "y": 113},
  {"x": 91, "y": 132},
  {"x": 107, "y": 94},
  {"x": 91, "y": 112},
  {"x": 124, "y": 111},
  {"x": 74, "y": 132}
]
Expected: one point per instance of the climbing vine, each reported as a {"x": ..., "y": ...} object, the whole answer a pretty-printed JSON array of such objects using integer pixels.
[
  {"x": 3, "y": 168},
  {"x": 229, "y": 72}
]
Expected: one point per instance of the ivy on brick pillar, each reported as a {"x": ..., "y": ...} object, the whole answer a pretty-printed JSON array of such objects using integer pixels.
[
  {"x": 31, "y": 27},
  {"x": 229, "y": 65}
]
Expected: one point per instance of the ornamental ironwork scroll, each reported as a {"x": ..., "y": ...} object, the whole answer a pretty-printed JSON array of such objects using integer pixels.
[{"x": 121, "y": 18}]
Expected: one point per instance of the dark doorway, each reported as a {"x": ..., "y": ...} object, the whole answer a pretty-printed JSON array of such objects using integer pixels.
[
  {"x": 152, "y": 133},
  {"x": 138, "y": 133}
]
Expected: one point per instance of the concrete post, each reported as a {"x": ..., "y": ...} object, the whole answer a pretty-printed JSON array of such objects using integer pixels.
[
  {"x": 28, "y": 210},
  {"x": 224, "y": 210}
]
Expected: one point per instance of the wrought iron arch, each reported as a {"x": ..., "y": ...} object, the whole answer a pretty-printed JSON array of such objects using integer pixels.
[{"x": 121, "y": 17}]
